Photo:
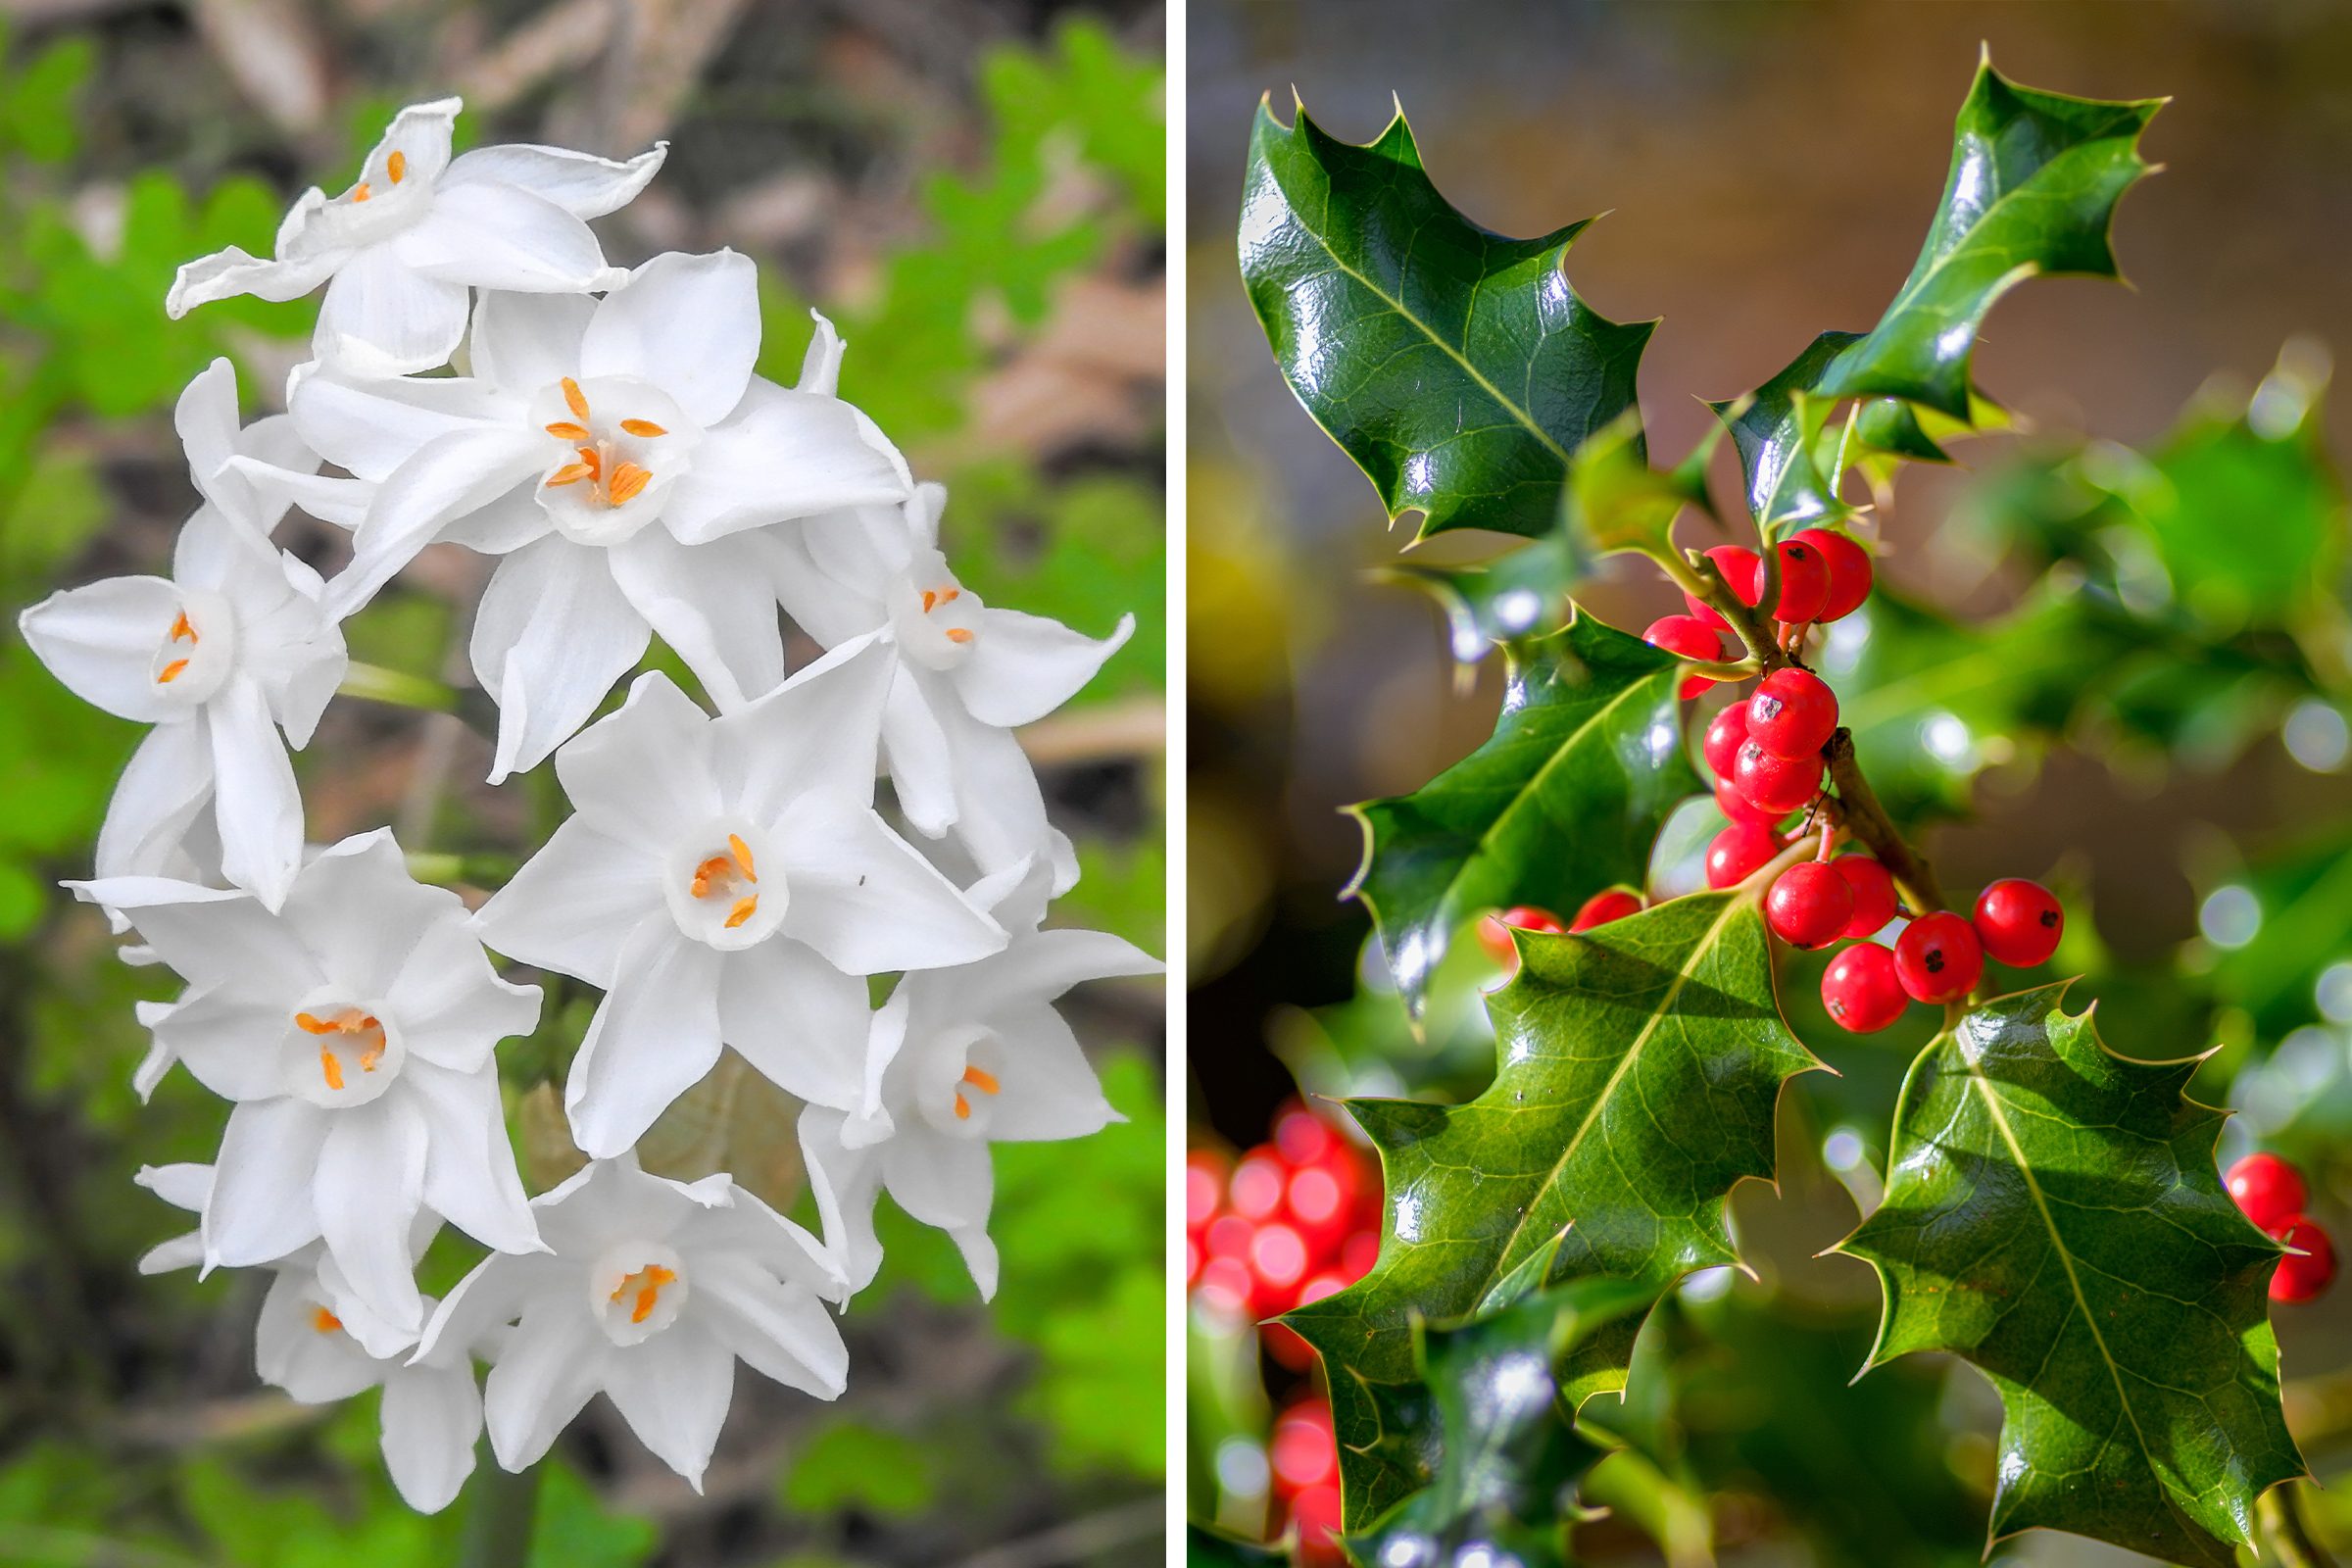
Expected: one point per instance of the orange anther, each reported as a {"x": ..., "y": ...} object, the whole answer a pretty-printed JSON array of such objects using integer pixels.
[
  {"x": 574, "y": 398},
  {"x": 323, "y": 1321},
  {"x": 594, "y": 458},
  {"x": 743, "y": 910},
  {"x": 985, "y": 1082},
  {"x": 170, "y": 672},
  {"x": 571, "y": 474},
  {"x": 649, "y": 1281},
  {"x": 371, "y": 1056},
  {"x": 331, "y": 1066},
  {"x": 397, "y": 165},
  {"x": 312, "y": 1024},
  {"x": 627, "y": 480},
  {"x": 360, "y": 192},
  {"x": 565, "y": 430},
  {"x": 707, "y": 872},
  {"x": 964, "y": 1108},
  {"x": 960, "y": 634},
  {"x": 642, "y": 427},
  {"x": 951, "y": 595},
  {"x": 929, "y": 599},
  {"x": 742, "y": 855},
  {"x": 180, "y": 628}
]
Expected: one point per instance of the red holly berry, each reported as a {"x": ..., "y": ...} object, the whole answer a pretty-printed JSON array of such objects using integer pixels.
[
  {"x": 1256, "y": 1191},
  {"x": 1725, "y": 731},
  {"x": 1809, "y": 905},
  {"x": 1301, "y": 1137},
  {"x": 1316, "y": 1514},
  {"x": 1792, "y": 713},
  {"x": 1861, "y": 990},
  {"x": 1875, "y": 900},
  {"x": 2020, "y": 922},
  {"x": 1322, "y": 1285},
  {"x": 1194, "y": 1258},
  {"x": 1318, "y": 1205},
  {"x": 1228, "y": 1235},
  {"x": 1804, "y": 582},
  {"x": 1357, "y": 1255},
  {"x": 1278, "y": 1262},
  {"x": 1302, "y": 1453},
  {"x": 1742, "y": 571},
  {"x": 1707, "y": 613},
  {"x": 1225, "y": 1285},
  {"x": 1850, "y": 573},
  {"x": 1203, "y": 1188},
  {"x": 1495, "y": 931},
  {"x": 1937, "y": 957},
  {"x": 2268, "y": 1189},
  {"x": 1691, "y": 637},
  {"x": 1737, "y": 807},
  {"x": 1613, "y": 904},
  {"x": 2309, "y": 1270},
  {"x": 1771, "y": 783},
  {"x": 1738, "y": 852}
]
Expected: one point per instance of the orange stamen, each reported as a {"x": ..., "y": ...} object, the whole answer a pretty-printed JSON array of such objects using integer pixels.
[
  {"x": 651, "y": 1279},
  {"x": 321, "y": 1319},
  {"x": 371, "y": 1056},
  {"x": 743, "y": 910},
  {"x": 706, "y": 873},
  {"x": 359, "y": 192},
  {"x": 565, "y": 430},
  {"x": 951, "y": 595},
  {"x": 170, "y": 672},
  {"x": 574, "y": 398},
  {"x": 985, "y": 1082},
  {"x": 329, "y": 1065},
  {"x": 570, "y": 473},
  {"x": 593, "y": 458},
  {"x": 627, "y": 480},
  {"x": 929, "y": 599},
  {"x": 958, "y": 634},
  {"x": 397, "y": 165},
  {"x": 642, "y": 427},
  {"x": 964, "y": 1108},
  {"x": 742, "y": 855},
  {"x": 180, "y": 628}
]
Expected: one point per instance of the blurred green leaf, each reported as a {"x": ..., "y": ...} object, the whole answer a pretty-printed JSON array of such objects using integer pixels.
[{"x": 847, "y": 1465}]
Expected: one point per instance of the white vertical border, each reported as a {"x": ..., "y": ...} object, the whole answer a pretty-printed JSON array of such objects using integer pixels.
[{"x": 1178, "y": 753}]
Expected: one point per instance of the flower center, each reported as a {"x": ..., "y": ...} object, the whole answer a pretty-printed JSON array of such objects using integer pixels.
[
  {"x": 194, "y": 655},
  {"x": 613, "y": 465},
  {"x": 636, "y": 1290},
  {"x": 714, "y": 890},
  {"x": 324, "y": 1322},
  {"x": 962, "y": 1097},
  {"x": 341, "y": 1054},
  {"x": 935, "y": 624}
]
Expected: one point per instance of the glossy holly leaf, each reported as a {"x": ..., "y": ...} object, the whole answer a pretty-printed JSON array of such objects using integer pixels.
[
  {"x": 1562, "y": 802},
  {"x": 1521, "y": 594},
  {"x": 2054, "y": 1216},
  {"x": 2034, "y": 183},
  {"x": 1506, "y": 1457},
  {"x": 1457, "y": 367},
  {"x": 1640, "y": 1063},
  {"x": 1777, "y": 429}
]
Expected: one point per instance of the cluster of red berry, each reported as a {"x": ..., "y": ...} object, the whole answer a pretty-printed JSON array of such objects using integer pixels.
[
  {"x": 2271, "y": 1194},
  {"x": 1304, "y": 1458},
  {"x": 1292, "y": 1220},
  {"x": 1823, "y": 577}
]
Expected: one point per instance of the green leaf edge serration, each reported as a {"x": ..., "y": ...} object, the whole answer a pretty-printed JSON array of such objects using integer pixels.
[{"x": 2154, "y": 1110}]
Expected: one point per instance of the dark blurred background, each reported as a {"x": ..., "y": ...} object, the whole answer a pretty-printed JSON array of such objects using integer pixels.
[
  {"x": 1767, "y": 171},
  {"x": 974, "y": 190}
]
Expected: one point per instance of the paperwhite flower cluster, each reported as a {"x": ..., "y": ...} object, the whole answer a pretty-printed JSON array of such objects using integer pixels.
[{"x": 725, "y": 881}]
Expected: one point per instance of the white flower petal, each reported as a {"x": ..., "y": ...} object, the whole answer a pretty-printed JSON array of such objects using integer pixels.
[
  {"x": 817, "y": 734},
  {"x": 573, "y": 905},
  {"x": 226, "y": 273},
  {"x": 799, "y": 1020},
  {"x": 162, "y": 792},
  {"x": 642, "y": 773},
  {"x": 261, "y": 1207},
  {"x": 690, "y": 324},
  {"x": 869, "y": 900},
  {"x": 979, "y": 1256},
  {"x": 186, "y": 1250},
  {"x": 256, "y": 804},
  {"x": 214, "y": 936},
  {"x": 504, "y": 525},
  {"x": 820, "y": 365},
  {"x": 449, "y": 477},
  {"x": 784, "y": 453},
  {"x": 1000, "y": 810},
  {"x": 184, "y": 1184},
  {"x": 855, "y": 1175},
  {"x": 1022, "y": 667},
  {"x": 469, "y": 1174},
  {"x": 362, "y": 914},
  {"x": 101, "y": 640},
  {"x": 525, "y": 342},
  {"x": 551, "y": 636},
  {"x": 714, "y": 606},
  {"x": 551, "y": 1365},
  {"x": 432, "y": 1418},
  {"x": 291, "y": 1351},
  {"x": 1037, "y": 968},
  {"x": 370, "y": 1185},
  {"x": 382, "y": 316},
  {"x": 673, "y": 1389},
  {"x": 1049, "y": 1088},
  {"x": 915, "y": 751},
  {"x": 422, "y": 133},
  {"x": 941, "y": 1181},
  {"x": 500, "y": 237},
  {"x": 584, "y": 185},
  {"x": 654, "y": 1037},
  {"x": 778, "y": 1330},
  {"x": 327, "y": 496},
  {"x": 371, "y": 425},
  {"x": 206, "y": 420},
  {"x": 453, "y": 1008},
  {"x": 230, "y": 1043}
]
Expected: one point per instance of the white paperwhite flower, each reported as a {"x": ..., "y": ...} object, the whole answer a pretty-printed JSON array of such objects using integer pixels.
[
  {"x": 968, "y": 674},
  {"x": 728, "y": 880},
  {"x": 957, "y": 1059},
  {"x": 619, "y": 456},
  {"x": 655, "y": 1289},
  {"x": 354, "y": 1030},
  {"x": 318, "y": 1340},
  {"x": 235, "y": 646},
  {"x": 399, "y": 249}
]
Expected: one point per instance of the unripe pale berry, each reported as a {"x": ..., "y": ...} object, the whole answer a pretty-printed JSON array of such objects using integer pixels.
[
  {"x": 1737, "y": 807},
  {"x": 1739, "y": 850},
  {"x": 1875, "y": 900},
  {"x": 1602, "y": 907},
  {"x": 1809, "y": 905},
  {"x": 1861, "y": 990},
  {"x": 1939, "y": 958},
  {"x": 1495, "y": 931},
  {"x": 2020, "y": 922},
  {"x": 1792, "y": 713},
  {"x": 2309, "y": 1270},
  {"x": 1850, "y": 573},
  {"x": 2269, "y": 1189},
  {"x": 1725, "y": 731},
  {"x": 1691, "y": 637},
  {"x": 1774, "y": 783}
]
